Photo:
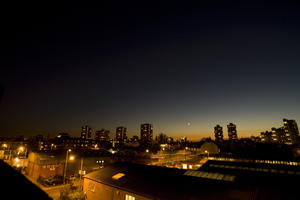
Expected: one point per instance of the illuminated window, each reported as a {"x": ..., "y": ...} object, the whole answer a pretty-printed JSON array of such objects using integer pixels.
[
  {"x": 118, "y": 176},
  {"x": 129, "y": 197}
]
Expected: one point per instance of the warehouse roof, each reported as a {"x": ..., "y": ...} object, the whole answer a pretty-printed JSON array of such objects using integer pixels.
[{"x": 168, "y": 183}]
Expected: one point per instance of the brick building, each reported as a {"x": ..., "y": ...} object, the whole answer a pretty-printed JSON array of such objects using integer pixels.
[{"x": 44, "y": 166}]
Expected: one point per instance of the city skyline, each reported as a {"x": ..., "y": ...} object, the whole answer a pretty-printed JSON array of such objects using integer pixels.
[{"x": 112, "y": 132}]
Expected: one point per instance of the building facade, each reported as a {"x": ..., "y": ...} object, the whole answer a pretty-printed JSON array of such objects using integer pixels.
[
  {"x": 291, "y": 131},
  {"x": 218, "y": 133},
  {"x": 287, "y": 134},
  {"x": 266, "y": 137},
  {"x": 102, "y": 135},
  {"x": 232, "y": 133},
  {"x": 86, "y": 132},
  {"x": 146, "y": 133},
  {"x": 43, "y": 166},
  {"x": 121, "y": 136}
]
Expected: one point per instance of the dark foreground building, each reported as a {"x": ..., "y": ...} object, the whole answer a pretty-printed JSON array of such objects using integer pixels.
[
  {"x": 125, "y": 181},
  {"x": 15, "y": 186}
]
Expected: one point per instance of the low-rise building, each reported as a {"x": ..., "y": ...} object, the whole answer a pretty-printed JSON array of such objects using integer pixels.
[
  {"x": 214, "y": 180},
  {"x": 44, "y": 166}
]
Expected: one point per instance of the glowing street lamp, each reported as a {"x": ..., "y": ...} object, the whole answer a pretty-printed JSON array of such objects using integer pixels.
[
  {"x": 207, "y": 153},
  {"x": 21, "y": 149}
]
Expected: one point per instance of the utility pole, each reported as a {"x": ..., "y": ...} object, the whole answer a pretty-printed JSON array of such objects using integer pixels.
[
  {"x": 9, "y": 157},
  {"x": 81, "y": 167},
  {"x": 66, "y": 163}
]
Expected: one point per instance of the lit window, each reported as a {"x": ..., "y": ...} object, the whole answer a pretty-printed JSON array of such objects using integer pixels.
[
  {"x": 129, "y": 197},
  {"x": 118, "y": 176}
]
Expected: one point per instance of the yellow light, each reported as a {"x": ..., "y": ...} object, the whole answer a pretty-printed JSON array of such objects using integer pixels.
[
  {"x": 4, "y": 145},
  {"x": 17, "y": 159},
  {"x": 118, "y": 176},
  {"x": 21, "y": 149},
  {"x": 69, "y": 150},
  {"x": 72, "y": 157},
  {"x": 184, "y": 166},
  {"x": 147, "y": 150}
]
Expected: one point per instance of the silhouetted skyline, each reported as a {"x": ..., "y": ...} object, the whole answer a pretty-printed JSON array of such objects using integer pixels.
[{"x": 182, "y": 69}]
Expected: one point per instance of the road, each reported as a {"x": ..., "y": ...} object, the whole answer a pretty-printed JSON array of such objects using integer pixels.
[{"x": 53, "y": 191}]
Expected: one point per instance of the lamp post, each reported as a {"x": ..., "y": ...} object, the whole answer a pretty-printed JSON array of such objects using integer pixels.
[
  {"x": 66, "y": 163},
  {"x": 81, "y": 168},
  {"x": 207, "y": 153}
]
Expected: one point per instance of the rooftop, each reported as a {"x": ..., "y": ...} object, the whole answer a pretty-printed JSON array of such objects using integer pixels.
[{"x": 208, "y": 182}]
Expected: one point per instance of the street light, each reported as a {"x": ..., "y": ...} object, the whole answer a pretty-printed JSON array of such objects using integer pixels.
[
  {"x": 21, "y": 149},
  {"x": 207, "y": 153},
  {"x": 66, "y": 163}
]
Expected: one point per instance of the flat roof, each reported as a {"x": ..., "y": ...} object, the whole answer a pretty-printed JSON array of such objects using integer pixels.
[{"x": 170, "y": 183}]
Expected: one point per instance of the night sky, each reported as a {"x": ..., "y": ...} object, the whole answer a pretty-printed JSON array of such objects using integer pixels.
[{"x": 119, "y": 65}]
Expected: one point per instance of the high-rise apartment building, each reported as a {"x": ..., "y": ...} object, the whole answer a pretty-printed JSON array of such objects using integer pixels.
[
  {"x": 291, "y": 131},
  {"x": 146, "y": 133},
  {"x": 219, "y": 133},
  {"x": 232, "y": 134},
  {"x": 121, "y": 134},
  {"x": 86, "y": 132}
]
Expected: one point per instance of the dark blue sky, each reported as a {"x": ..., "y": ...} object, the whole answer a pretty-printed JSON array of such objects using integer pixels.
[{"x": 117, "y": 65}]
